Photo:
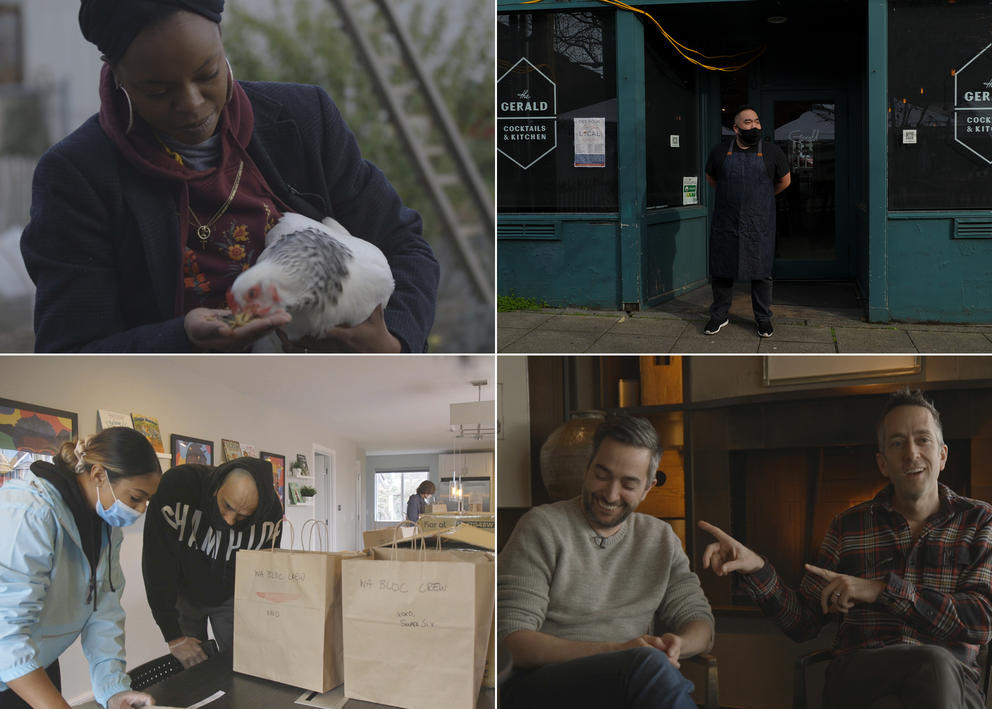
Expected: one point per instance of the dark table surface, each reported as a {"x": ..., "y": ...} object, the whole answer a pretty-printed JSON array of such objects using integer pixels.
[{"x": 243, "y": 691}]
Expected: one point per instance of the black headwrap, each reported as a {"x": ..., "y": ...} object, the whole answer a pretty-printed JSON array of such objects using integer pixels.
[{"x": 113, "y": 24}]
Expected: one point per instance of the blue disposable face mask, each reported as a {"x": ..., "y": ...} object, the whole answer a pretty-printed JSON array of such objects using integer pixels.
[{"x": 119, "y": 514}]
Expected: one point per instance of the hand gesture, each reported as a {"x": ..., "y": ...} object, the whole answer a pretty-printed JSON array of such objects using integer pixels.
[
  {"x": 669, "y": 643},
  {"x": 188, "y": 651},
  {"x": 727, "y": 554},
  {"x": 207, "y": 329},
  {"x": 129, "y": 699},
  {"x": 841, "y": 591},
  {"x": 369, "y": 336}
]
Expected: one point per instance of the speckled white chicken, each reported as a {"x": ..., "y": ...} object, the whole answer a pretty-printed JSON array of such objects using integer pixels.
[{"x": 318, "y": 272}]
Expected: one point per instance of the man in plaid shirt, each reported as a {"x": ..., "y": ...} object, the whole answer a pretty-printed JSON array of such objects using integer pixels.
[{"x": 908, "y": 574}]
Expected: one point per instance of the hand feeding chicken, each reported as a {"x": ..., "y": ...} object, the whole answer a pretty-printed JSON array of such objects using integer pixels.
[{"x": 316, "y": 271}]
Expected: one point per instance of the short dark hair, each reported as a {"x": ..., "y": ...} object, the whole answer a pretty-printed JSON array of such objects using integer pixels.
[
  {"x": 631, "y": 431},
  {"x": 744, "y": 107},
  {"x": 425, "y": 487},
  {"x": 905, "y": 397}
]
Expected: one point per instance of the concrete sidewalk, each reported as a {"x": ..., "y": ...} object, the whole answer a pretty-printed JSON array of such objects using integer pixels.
[{"x": 834, "y": 324}]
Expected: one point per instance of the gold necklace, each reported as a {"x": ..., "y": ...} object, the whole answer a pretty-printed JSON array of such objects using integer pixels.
[{"x": 203, "y": 230}]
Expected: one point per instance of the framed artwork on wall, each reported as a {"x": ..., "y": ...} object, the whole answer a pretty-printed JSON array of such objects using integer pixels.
[
  {"x": 148, "y": 427},
  {"x": 230, "y": 449},
  {"x": 35, "y": 429},
  {"x": 186, "y": 449},
  {"x": 278, "y": 473},
  {"x": 109, "y": 419}
]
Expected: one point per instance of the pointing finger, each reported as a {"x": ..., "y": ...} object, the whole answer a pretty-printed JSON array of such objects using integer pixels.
[
  {"x": 715, "y": 531},
  {"x": 824, "y": 574}
]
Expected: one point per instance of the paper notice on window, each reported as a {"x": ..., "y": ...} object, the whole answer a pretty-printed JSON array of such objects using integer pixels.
[
  {"x": 690, "y": 186},
  {"x": 590, "y": 142}
]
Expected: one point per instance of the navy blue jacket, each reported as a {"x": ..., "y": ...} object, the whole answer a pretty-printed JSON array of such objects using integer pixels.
[{"x": 102, "y": 244}]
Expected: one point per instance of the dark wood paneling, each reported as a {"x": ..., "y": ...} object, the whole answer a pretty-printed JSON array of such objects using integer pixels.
[{"x": 545, "y": 377}]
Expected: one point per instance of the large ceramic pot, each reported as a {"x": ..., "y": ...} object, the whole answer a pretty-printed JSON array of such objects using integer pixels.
[{"x": 565, "y": 454}]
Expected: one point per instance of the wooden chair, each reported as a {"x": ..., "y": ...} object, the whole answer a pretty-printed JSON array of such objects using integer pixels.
[
  {"x": 799, "y": 680},
  {"x": 711, "y": 692},
  {"x": 156, "y": 670}
]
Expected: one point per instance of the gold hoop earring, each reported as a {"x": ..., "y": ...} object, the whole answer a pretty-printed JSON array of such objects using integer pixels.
[
  {"x": 130, "y": 110},
  {"x": 230, "y": 80}
]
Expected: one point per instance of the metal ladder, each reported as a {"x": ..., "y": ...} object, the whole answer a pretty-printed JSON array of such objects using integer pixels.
[{"x": 428, "y": 138}]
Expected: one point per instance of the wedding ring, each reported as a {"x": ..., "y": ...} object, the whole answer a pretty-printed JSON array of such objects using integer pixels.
[{"x": 836, "y": 595}]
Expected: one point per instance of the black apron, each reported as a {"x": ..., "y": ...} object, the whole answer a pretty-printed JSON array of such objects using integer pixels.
[{"x": 742, "y": 238}]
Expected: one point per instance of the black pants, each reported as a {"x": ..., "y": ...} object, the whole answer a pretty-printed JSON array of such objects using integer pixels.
[
  {"x": 900, "y": 677},
  {"x": 193, "y": 622},
  {"x": 10, "y": 700},
  {"x": 723, "y": 294}
]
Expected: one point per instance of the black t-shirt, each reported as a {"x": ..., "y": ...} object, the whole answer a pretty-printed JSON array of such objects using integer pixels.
[{"x": 775, "y": 161}]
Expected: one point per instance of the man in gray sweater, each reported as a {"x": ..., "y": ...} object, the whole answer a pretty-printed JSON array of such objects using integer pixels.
[{"x": 583, "y": 586}]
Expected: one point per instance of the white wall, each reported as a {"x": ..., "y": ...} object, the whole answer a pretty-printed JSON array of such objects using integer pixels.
[
  {"x": 513, "y": 457},
  {"x": 170, "y": 389}
]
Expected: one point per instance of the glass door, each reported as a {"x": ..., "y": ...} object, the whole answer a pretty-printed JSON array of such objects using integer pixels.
[{"x": 811, "y": 238}]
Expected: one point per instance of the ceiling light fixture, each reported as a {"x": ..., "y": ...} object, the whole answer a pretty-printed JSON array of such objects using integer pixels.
[
  {"x": 474, "y": 419},
  {"x": 778, "y": 19}
]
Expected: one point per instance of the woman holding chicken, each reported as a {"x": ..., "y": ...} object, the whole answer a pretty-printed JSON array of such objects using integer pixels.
[{"x": 143, "y": 217}]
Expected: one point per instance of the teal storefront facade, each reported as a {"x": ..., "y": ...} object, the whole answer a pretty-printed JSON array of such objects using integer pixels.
[{"x": 882, "y": 107}]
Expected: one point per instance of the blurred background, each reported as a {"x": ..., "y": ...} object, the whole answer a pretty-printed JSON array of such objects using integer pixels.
[{"x": 413, "y": 78}]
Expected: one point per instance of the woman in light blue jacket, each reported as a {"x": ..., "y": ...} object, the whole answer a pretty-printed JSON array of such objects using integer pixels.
[{"x": 60, "y": 573}]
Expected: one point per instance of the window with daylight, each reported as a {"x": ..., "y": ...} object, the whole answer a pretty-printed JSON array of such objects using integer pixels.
[
  {"x": 392, "y": 490},
  {"x": 556, "y": 79},
  {"x": 940, "y": 105},
  {"x": 14, "y": 463}
]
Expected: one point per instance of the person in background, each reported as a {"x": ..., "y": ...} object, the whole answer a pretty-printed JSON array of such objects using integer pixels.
[
  {"x": 597, "y": 603},
  {"x": 417, "y": 504},
  {"x": 142, "y": 218},
  {"x": 60, "y": 572},
  {"x": 907, "y": 575},
  {"x": 747, "y": 174},
  {"x": 198, "y": 520}
]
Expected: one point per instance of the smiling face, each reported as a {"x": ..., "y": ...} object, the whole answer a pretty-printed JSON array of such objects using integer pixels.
[
  {"x": 616, "y": 482},
  {"x": 913, "y": 452},
  {"x": 176, "y": 75}
]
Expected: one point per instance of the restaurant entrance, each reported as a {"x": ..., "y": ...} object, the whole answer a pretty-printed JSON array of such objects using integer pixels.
[{"x": 813, "y": 225}]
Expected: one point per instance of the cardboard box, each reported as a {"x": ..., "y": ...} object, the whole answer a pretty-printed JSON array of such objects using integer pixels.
[
  {"x": 378, "y": 537},
  {"x": 482, "y": 520}
]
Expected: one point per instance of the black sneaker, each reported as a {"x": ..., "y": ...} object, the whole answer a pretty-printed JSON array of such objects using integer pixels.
[
  {"x": 714, "y": 326},
  {"x": 765, "y": 328}
]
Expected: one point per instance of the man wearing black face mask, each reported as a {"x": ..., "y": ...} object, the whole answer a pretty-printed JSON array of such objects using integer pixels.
[
  {"x": 194, "y": 527},
  {"x": 747, "y": 174}
]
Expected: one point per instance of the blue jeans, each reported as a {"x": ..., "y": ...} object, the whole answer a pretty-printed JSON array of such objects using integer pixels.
[{"x": 641, "y": 678}]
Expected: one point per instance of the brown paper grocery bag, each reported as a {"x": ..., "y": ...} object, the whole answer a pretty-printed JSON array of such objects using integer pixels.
[
  {"x": 287, "y": 617},
  {"x": 417, "y": 626}
]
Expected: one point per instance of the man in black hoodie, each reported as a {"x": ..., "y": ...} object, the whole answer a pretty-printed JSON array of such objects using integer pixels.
[{"x": 195, "y": 524}]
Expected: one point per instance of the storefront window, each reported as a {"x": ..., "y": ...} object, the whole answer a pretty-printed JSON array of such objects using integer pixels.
[
  {"x": 672, "y": 132},
  {"x": 556, "y": 112},
  {"x": 940, "y": 105}
]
